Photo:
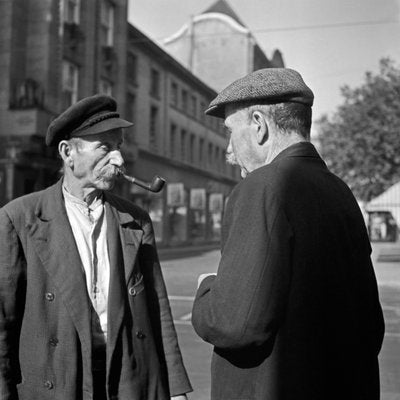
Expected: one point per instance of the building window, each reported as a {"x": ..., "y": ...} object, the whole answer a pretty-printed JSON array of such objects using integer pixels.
[
  {"x": 210, "y": 155},
  {"x": 174, "y": 94},
  {"x": 153, "y": 127},
  {"x": 191, "y": 147},
  {"x": 202, "y": 109},
  {"x": 70, "y": 75},
  {"x": 71, "y": 11},
  {"x": 106, "y": 23},
  {"x": 105, "y": 87},
  {"x": 183, "y": 145},
  {"x": 172, "y": 140},
  {"x": 184, "y": 100},
  {"x": 130, "y": 111},
  {"x": 155, "y": 83},
  {"x": 217, "y": 158},
  {"x": 201, "y": 151},
  {"x": 223, "y": 160},
  {"x": 131, "y": 69},
  {"x": 193, "y": 106}
]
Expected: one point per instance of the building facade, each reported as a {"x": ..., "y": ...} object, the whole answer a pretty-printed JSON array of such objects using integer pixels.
[
  {"x": 218, "y": 48},
  {"x": 175, "y": 139},
  {"x": 55, "y": 52}
]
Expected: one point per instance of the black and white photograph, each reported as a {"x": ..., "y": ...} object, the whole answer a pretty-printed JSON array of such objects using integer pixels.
[{"x": 200, "y": 200}]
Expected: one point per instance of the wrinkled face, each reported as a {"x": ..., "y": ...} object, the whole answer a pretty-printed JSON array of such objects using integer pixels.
[
  {"x": 241, "y": 149},
  {"x": 97, "y": 158}
]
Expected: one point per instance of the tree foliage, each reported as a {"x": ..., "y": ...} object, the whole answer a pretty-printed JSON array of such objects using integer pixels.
[{"x": 361, "y": 141}]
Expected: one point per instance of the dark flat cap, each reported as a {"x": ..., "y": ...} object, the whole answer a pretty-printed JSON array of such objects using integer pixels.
[
  {"x": 269, "y": 86},
  {"x": 89, "y": 116}
]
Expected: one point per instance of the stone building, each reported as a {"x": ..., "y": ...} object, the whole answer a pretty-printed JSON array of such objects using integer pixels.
[
  {"x": 56, "y": 52},
  {"x": 53, "y": 53},
  {"x": 218, "y": 48},
  {"x": 174, "y": 138}
]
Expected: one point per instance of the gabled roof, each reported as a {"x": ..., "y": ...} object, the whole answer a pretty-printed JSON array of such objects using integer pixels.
[
  {"x": 222, "y": 7},
  {"x": 390, "y": 197}
]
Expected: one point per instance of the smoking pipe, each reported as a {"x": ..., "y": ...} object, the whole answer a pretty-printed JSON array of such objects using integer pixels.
[{"x": 155, "y": 185}]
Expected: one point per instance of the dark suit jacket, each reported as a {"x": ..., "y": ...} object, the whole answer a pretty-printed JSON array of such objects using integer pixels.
[
  {"x": 45, "y": 310},
  {"x": 293, "y": 312}
]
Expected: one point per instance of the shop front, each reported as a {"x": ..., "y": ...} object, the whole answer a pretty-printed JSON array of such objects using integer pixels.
[{"x": 189, "y": 209}]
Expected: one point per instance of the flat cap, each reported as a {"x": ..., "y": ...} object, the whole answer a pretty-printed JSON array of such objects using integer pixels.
[
  {"x": 89, "y": 116},
  {"x": 268, "y": 85}
]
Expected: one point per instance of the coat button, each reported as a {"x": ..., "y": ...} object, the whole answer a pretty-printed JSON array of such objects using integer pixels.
[
  {"x": 49, "y": 296},
  {"x": 140, "y": 335},
  {"x": 53, "y": 342},
  {"x": 132, "y": 291},
  {"x": 48, "y": 385}
]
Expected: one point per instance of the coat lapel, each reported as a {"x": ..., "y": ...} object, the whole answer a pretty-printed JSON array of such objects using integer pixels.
[
  {"x": 123, "y": 240},
  {"x": 117, "y": 288},
  {"x": 57, "y": 250},
  {"x": 130, "y": 234}
]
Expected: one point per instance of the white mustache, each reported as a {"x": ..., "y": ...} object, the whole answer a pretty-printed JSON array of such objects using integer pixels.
[
  {"x": 231, "y": 159},
  {"x": 109, "y": 173}
]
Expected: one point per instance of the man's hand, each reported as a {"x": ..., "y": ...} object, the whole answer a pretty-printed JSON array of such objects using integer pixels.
[
  {"x": 202, "y": 277},
  {"x": 180, "y": 397}
]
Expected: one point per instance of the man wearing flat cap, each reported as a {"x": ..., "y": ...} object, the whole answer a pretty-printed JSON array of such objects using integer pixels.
[
  {"x": 293, "y": 311},
  {"x": 84, "y": 312}
]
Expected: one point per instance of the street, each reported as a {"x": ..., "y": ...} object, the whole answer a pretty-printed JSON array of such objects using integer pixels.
[{"x": 181, "y": 280}]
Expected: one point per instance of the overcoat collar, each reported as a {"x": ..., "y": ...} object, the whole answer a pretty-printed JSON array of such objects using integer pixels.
[{"x": 301, "y": 149}]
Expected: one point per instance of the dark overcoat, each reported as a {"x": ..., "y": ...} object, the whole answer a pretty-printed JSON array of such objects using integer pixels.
[
  {"x": 293, "y": 312},
  {"x": 45, "y": 310}
]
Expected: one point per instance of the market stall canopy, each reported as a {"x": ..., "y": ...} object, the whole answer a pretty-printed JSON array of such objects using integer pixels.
[{"x": 387, "y": 201}]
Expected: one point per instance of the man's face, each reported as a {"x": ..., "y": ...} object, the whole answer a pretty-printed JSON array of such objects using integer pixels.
[
  {"x": 97, "y": 158},
  {"x": 241, "y": 149}
]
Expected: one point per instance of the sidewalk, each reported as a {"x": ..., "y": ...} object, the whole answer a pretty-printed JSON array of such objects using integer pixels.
[
  {"x": 387, "y": 252},
  {"x": 386, "y": 260},
  {"x": 171, "y": 253}
]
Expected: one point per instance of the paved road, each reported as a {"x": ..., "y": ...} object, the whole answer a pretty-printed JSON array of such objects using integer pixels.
[
  {"x": 181, "y": 279},
  {"x": 388, "y": 276}
]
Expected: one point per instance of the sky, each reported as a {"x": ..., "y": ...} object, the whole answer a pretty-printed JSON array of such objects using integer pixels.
[{"x": 332, "y": 43}]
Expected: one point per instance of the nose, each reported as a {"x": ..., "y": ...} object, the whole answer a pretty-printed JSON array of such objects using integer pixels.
[
  {"x": 116, "y": 158},
  {"x": 229, "y": 148}
]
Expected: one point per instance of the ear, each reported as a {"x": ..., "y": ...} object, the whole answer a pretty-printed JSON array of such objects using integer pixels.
[
  {"x": 261, "y": 126},
  {"x": 65, "y": 150}
]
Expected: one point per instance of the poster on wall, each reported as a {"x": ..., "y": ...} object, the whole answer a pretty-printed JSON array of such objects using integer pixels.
[
  {"x": 215, "y": 203},
  {"x": 175, "y": 194},
  {"x": 198, "y": 199}
]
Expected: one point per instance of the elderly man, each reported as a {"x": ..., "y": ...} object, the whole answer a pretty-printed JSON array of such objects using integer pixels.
[
  {"x": 293, "y": 311},
  {"x": 84, "y": 313}
]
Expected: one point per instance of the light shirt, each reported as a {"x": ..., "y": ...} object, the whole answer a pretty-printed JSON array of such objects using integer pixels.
[{"x": 89, "y": 226}]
